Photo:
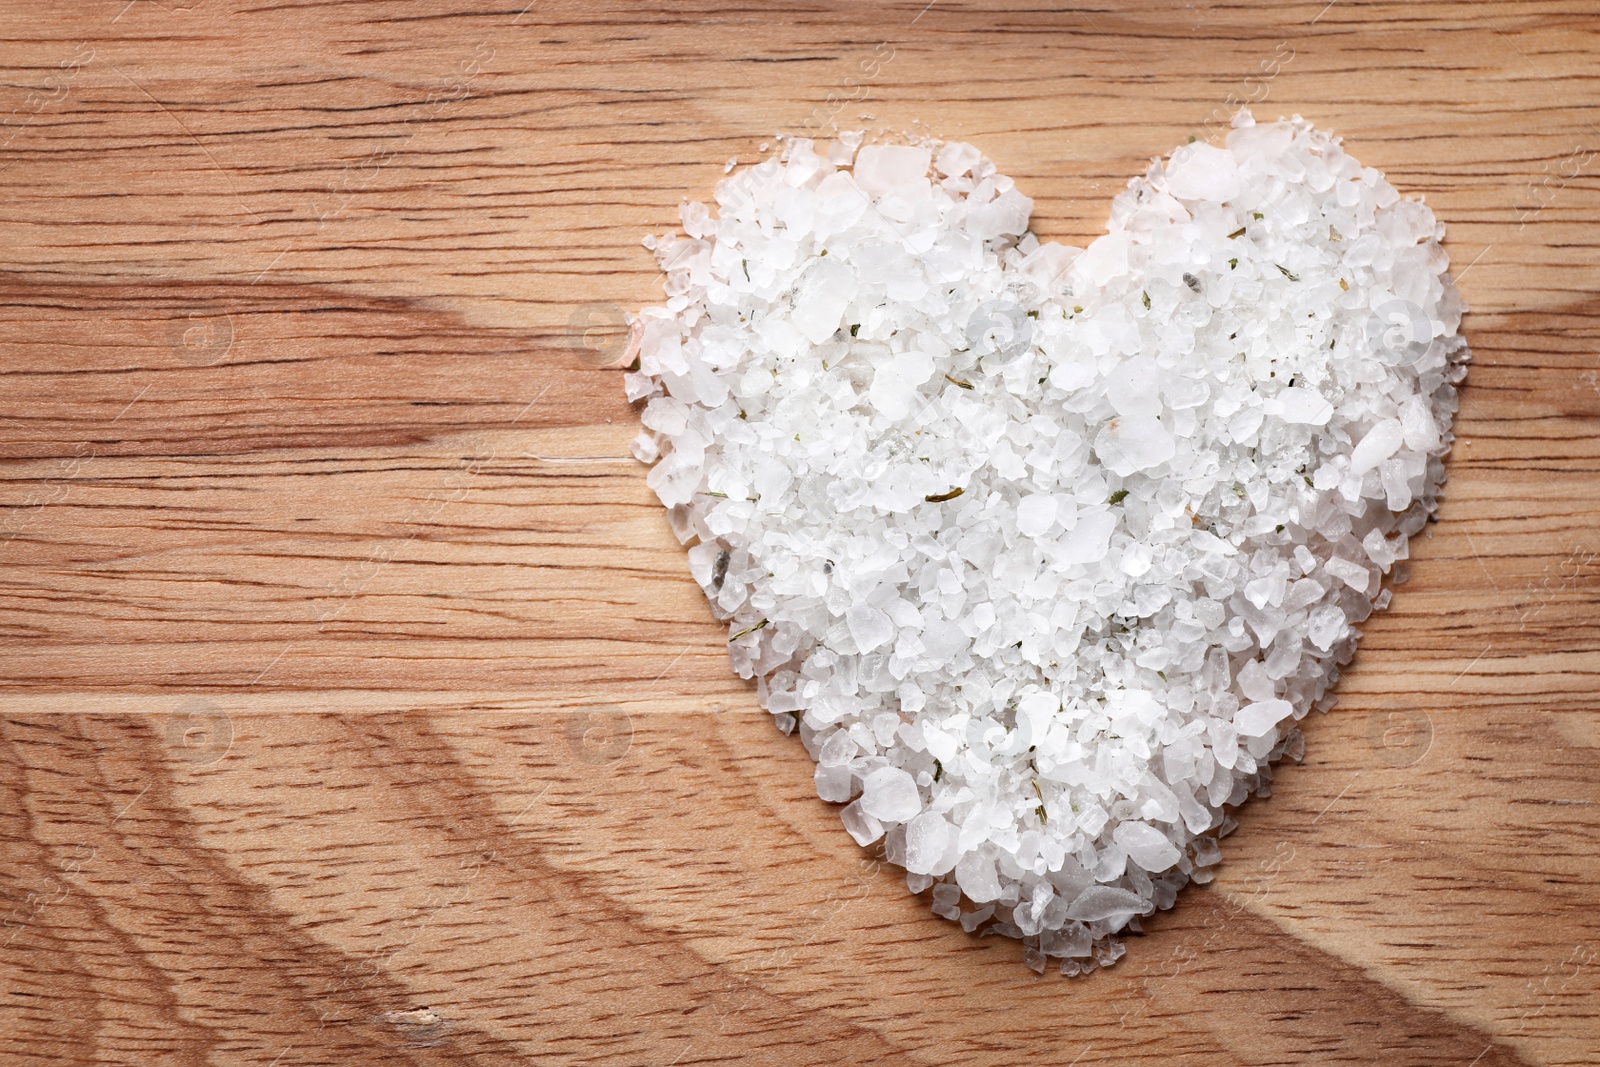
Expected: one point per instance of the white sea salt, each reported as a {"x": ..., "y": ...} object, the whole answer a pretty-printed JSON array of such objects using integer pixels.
[{"x": 1045, "y": 550}]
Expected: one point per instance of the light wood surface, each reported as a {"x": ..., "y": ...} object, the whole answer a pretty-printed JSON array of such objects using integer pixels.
[{"x": 358, "y": 705}]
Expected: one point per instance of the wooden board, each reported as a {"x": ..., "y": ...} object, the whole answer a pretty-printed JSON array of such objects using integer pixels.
[{"x": 358, "y": 706}]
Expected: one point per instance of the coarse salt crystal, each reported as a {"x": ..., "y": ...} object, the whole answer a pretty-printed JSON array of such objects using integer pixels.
[
  {"x": 1305, "y": 406},
  {"x": 1133, "y": 443},
  {"x": 1036, "y": 514},
  {"x": 882, "y": 168},
  {"x": 889, "y": 794},
  {"x": 1254, "y": 720}
]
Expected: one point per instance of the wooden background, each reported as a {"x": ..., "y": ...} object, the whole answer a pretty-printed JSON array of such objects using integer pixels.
[{"x": 358, "y": 706}]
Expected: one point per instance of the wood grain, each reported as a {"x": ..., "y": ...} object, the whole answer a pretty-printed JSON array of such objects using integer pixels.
[{"x": 359, "y": 707}]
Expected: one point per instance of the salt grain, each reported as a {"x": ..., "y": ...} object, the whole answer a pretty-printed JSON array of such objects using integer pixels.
[
  {"x": 890, "y": 795},
  {"x": 1255, "y": 720},
  {"x": 1046, "y": 549}
]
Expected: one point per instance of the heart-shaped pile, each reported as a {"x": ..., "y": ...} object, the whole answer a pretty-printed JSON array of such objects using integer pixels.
[{"x": 1045, "y": 550}]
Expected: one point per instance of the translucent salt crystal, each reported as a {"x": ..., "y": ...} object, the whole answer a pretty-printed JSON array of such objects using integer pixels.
[
  {"x": 1089, "y": 539},
  {"x": 1259, "y": 144},
  {"x": 1295, "y": 744},
  {"x": 821, "y": 300},
  {"x": 881, "y": 168},
  {"x": 1378, "y": 445},
  {"x": 870, "y": 627},
  {"x": 1352, "y": 574},
  {"x": 796, "y": 209},
  {"x": 666, "y": 415},
  {"x": 956, "y": 159},
  {"x": 1305, "y": 406},
  {"x": 1420, "y": 429},
  {"x": 1134, "y": 443},
  {"x": 1109, "y": 951},
  {"x": 1325, "y": 626},
  {"x": 1206, "y": 851},
  {"x": 1203, "y": 172},
  {"x": 834, "y": 784},
  {"x": 837, "y": 750},
  {"x": 644, "y": 448},
  {"x": 1255, "y": 720},
  {"x": 675, "y": 480},
  {"x": 861, "y": 826},
  {"x": 1005, "y": 216},
  {"x": 975, "y": 874},
  {"x": 1146, "y": 846},
  {"x": 1253, "y": 683},
  {"x": 890, "y": 795},
  {"x": 1396, "y": 482},
  {"x": 1033, "y": 957},
  {"x": 637, "y": 385},
  {"x": 1134, "y": 388},
  {"x": 1099, "y": 903},
  {"x": 929, "y": 838},
  {"x": 1036, "y": 514},
  {"x": 895, "y": 382}
]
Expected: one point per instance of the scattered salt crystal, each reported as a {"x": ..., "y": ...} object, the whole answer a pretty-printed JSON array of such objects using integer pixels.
[
  {"x": 1206, "y": 851},
  {"x": 1088, "y": 540},
  {"x": 1377, "y": 445},
  {"x": 956, "y": 159},
  {"x": 1048, "y": 548},
  {"x": 821, "y": 299},
  {"x": 881, "y": 168},
  {"x": 861, "y": 826},
  {"x": 1300, "y": 404},
  {"x": 1254, "y": 720},
  {"x": 975, "y": 874},
  {"x": 644, "y": 448},
  {"x": 889, "y": 794},
  {"x": 1099, "y": 903},
  {"x": 1145, "y": 845},
  {"x": 1201, "y": 171},
  {"x": 1352, "y": 574},
  {"x": 1036, "y": 514},
  {"x": 870, "y": 627},
  {"x": 1134, "y": 443},
  {"x": 1134, "y": 388},
  {"x": 929, "y": 841}
]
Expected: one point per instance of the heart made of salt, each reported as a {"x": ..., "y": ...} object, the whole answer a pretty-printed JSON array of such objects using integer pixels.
[{"x": 1045, "y": 550}]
